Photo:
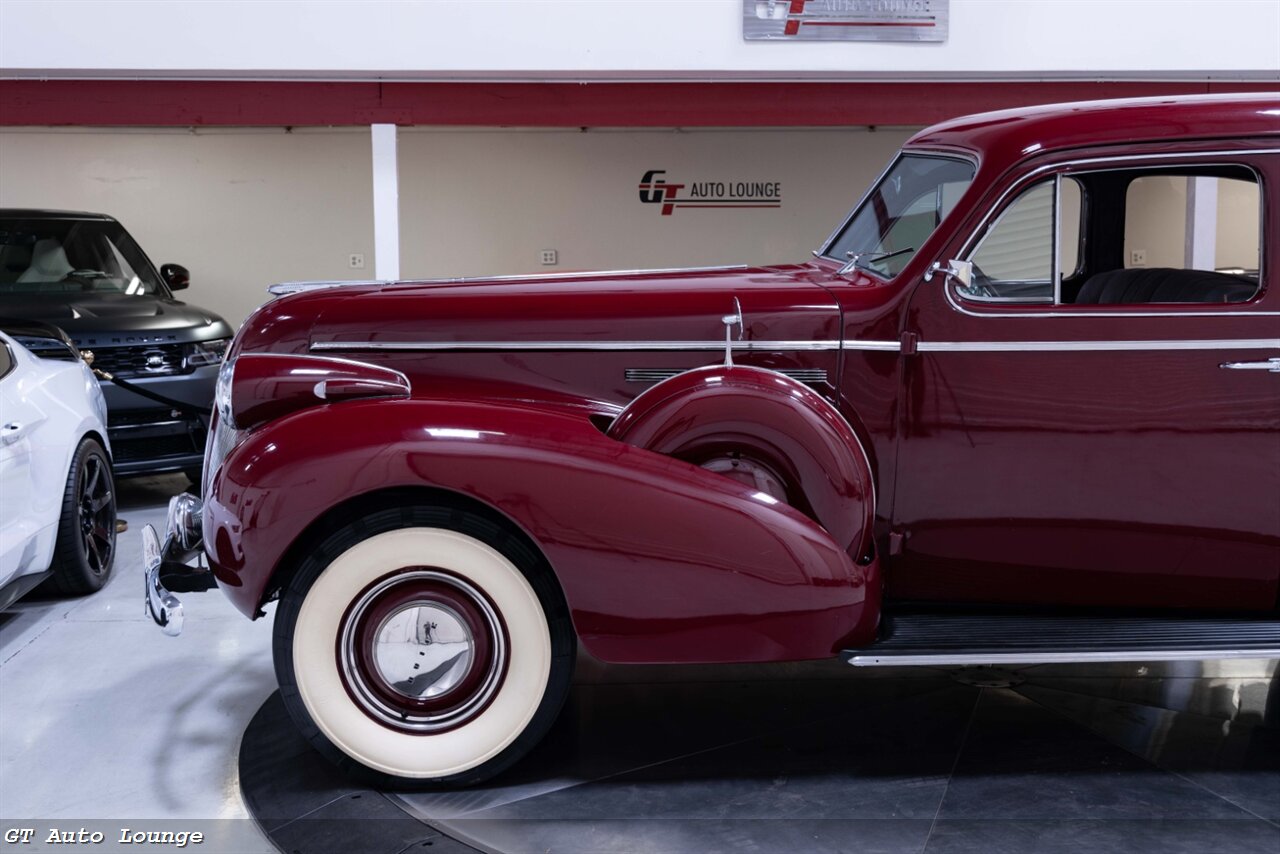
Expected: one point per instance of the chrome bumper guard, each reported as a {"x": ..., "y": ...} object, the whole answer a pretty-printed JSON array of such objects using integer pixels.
[{"x": 165, "y": 563}]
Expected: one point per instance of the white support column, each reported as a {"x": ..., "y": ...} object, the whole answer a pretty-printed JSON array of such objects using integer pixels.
[
  {"x": 386, "y": 204},
  {"x": 1202, "y": 223}
]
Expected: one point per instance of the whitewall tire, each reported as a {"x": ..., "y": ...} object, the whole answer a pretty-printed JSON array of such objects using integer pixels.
[{"x": 423, "y": 645}]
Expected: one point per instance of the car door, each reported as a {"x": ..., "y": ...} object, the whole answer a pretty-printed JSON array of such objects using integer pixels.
[
  {"x": 1094, "y": 418},
  {"x": 18, "y": 418}
]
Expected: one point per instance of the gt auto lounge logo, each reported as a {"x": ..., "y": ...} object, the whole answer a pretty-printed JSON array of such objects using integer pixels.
[{"x": 655, "y": 189}]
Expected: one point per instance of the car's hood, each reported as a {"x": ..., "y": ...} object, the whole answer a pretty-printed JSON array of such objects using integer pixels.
[
  {"x": 640, "y": 310},
  {"x": 104, "y": 319}
]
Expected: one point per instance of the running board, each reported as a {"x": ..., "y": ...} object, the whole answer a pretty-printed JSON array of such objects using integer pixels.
[{"x": 912, "y": 639}]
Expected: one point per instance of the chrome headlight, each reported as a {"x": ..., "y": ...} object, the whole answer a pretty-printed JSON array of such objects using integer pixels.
[
  {"x": 204, "y": 353},
  {"x": 222, "y": 393}
]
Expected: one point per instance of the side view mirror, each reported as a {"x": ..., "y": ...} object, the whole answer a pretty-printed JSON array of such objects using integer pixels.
[
  {"x": 175, "y": 276},
  {"x": 959, "y": 271}
]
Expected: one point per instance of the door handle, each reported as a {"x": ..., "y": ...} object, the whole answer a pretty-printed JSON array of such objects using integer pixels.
[
  {"x": 1272, "y": 365},
  {"x": 11, "y": 432}
]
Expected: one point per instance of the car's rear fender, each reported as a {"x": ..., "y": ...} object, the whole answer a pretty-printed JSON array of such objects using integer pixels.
[{"x": 660, "y": 561}]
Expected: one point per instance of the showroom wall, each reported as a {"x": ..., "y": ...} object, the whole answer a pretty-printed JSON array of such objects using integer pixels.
[
  {"x": 1157, "y": 222},
  {"x": 247, "y": 207},
  {"x": 482, "y": 202},
  {"x": 631, "y": 39},
  {"x": 242, "y": 208}
]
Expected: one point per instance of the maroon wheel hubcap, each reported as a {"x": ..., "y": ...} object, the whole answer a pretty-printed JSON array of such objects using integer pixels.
[{"x": 422, "y": 650}]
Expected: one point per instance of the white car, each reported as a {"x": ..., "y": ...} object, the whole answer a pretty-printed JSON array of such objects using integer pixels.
[{"x": 57, "y": 496}]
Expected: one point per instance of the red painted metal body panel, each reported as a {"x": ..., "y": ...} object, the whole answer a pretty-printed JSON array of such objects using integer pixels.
[
  {"x": 271, "y": 386},
  {"x": 1133, "y": 476},
  {"x": 659, "y": 560},
  {"x": 203, "y": 103},
  {"x": 783, "y": 304},
  {"x": 1007, "y": 136},
  {"x": 706, "y": 413}
]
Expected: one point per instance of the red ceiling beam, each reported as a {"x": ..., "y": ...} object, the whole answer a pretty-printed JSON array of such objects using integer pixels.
[{"x": 713, "y": 104}]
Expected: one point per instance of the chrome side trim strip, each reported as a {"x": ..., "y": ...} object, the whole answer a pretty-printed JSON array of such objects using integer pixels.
[
  {"x": 1095, "y": 346},
  {"x": 473, "y": 346},
  {"x": 868, "y": 657},
  {"x": 885, "y": 346},
  {"x": 657, "y": 375},
  {"x": 293, "y": 287}
]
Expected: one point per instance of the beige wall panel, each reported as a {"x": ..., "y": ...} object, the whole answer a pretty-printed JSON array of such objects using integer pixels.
[
  {"x": 487, "y": 202},
  {"x": 1157, "y": 222},
  {"x": 1239, "y": 229},
  {"x": 240, "y": 208}
]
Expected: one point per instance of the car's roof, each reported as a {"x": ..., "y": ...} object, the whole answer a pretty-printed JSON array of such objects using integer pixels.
[
  {"x": 43, "y": 213},
  {"x": 1011, "y": 134}
]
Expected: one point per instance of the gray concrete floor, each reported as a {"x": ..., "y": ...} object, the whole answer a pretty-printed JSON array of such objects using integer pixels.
[{"x": 103, "y": 717}]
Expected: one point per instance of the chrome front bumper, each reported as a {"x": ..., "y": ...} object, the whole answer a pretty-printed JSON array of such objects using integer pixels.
[{"x": 165, "y": 565}]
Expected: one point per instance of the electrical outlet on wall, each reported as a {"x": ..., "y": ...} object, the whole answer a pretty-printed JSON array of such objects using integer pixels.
[
  {"x": 355, "y": 261},
  {"x": 548, "y": 257},
  {"x": 1137, "y": 257}
]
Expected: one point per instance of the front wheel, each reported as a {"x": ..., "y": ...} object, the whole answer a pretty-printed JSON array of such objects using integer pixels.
[
  {"x": 423, "y": 645},
  {"x": 85, "y": 550}
]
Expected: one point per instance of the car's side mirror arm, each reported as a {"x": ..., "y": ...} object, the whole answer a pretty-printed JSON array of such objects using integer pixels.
[{"x": 959, "y": 271}]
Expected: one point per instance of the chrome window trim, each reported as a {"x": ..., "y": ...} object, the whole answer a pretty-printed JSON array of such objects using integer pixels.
[
  {"x": 1046, "y": 300},
  {"x": 976, "y": 235},
  {"x": 1090, "y": 313},
  {"x": 1055, "y": 273},
  {"x": 945, "y": 154}
]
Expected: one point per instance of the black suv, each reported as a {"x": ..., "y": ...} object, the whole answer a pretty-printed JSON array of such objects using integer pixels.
[{"x": 84, "y": 273}]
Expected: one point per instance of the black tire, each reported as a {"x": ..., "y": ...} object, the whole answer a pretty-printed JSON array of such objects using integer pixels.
[
  {"x": 194, "y": 475},
  {"x": 311, "y": 630},
  {"x": 85, "y": 550}
]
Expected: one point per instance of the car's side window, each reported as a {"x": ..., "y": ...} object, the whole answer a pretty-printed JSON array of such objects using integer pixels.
[
  {"x": 1176, "y": 235},
  {"x": 1014, "y": 261},
  {"x": 6, "y": 360}
]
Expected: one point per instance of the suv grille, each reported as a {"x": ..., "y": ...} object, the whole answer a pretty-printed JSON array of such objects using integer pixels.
[{"x": 151, "y": 360}]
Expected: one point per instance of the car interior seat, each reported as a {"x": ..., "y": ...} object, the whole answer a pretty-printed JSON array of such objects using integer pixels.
[
  {"x": 1164, "y": 284},
  {"x": 48, "y": 262}
]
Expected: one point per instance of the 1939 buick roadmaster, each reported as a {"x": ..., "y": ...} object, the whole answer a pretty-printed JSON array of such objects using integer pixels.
[{"x": 1023, "y": 405}]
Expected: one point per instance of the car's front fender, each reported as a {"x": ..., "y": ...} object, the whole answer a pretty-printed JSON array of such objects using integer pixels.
[{"x": 660, "y": 561}]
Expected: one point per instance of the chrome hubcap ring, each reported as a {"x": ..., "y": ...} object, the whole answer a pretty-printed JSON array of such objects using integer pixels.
[{"x": 422, "y": 650}]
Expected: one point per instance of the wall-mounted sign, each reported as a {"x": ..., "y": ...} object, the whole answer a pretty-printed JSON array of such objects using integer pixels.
[
  {"x": 655, "y": 189},
  {"x": 846, "y": 20}
]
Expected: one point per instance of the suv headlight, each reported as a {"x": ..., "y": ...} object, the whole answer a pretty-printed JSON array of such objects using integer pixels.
[{"x": 203, "y": 353}]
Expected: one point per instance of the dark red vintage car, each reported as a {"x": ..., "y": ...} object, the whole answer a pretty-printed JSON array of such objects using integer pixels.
[{"x": 1023, "y": 405}]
